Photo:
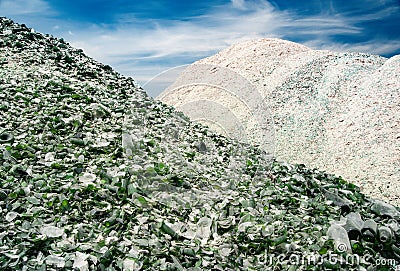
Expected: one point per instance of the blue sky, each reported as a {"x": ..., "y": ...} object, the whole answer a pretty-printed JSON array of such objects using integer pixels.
[{"x": 143, "y": 38}]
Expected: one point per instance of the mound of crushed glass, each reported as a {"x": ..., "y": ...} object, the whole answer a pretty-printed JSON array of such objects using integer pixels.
[{"x": 95, "y": 175}]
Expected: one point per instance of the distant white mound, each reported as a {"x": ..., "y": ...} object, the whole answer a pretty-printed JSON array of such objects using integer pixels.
[{"x": 338, "y": 112}]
